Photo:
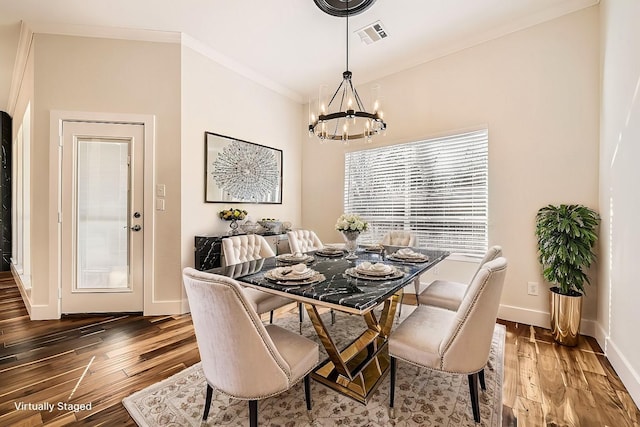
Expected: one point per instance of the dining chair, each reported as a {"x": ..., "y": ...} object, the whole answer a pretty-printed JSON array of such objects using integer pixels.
[
  {"x": 241, "y": 357},
  {"x": 250, "y": 247},
  {"x": 305, "y": 241},
  {"x": 399, "y": 238},
  {"x": 448, "y": 294},
  {"x": 453, "y": 341}
]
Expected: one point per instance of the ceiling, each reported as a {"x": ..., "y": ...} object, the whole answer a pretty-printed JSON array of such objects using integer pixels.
[{"x": 289, "y": 45}]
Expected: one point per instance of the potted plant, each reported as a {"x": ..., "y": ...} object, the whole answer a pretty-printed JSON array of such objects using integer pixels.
[{"x": 566, "y": 235}]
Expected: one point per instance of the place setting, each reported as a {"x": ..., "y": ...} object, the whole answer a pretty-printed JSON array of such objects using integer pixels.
[
  {"x": 408, "y": 255},
  {"x": 374, "y": 271},
  {"x": 330, "y": 252},
  {"x": 295, "y": 258},
  {"x": 294, "y": 275}
]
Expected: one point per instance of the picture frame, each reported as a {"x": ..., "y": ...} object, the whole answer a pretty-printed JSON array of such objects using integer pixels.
[{"x": 238, "y": 171}]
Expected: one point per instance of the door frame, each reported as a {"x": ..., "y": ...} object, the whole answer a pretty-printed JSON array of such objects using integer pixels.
[{"x": 57, "y": 117}]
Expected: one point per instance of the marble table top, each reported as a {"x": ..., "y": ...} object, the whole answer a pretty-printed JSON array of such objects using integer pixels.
[{"x": 338, "y": 289}]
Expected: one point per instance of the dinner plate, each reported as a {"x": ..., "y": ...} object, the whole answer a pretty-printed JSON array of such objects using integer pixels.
[
  {"x": 354, "y": 273},
  {"x": 315, "y": 278},
  {"x": 408, "y": 259},
  {"x": 286, "y": 274},
  {"x": 294, "y": 259},
  {"x": 330, "y": 254}
]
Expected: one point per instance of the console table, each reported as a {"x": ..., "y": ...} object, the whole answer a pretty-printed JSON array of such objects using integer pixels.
[{"x": 208, "y": 248}]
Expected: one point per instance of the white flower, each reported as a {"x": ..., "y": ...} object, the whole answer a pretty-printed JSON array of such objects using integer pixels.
[{"x": 351, "y": 222}]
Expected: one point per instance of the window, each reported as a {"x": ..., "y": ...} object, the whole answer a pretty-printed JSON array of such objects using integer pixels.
[{"x": 437, "y": 188}]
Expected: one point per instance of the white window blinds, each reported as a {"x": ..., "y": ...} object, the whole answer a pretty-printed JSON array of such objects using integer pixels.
[{"x": 437, "y": 188}]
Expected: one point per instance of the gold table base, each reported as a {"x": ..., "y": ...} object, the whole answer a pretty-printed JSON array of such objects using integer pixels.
[{"x": 358, "y": 369}]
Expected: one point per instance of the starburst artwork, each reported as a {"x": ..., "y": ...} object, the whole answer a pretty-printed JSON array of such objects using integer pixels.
[{"x": 247, "y": 172}]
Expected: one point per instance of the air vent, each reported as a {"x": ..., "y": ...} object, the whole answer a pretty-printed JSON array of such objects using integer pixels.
[{"x": 372, "y": 33}]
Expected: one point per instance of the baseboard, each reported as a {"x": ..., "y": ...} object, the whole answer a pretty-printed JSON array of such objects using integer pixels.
[
  {"x": 625, "y": 371},
  {"x": 540, "y": 318},
  {"x": 601, "y": 336},
  {"x": 23, "y": 291}
]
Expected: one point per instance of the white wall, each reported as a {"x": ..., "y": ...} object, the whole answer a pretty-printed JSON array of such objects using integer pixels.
[
  {"x": 537, "y": 91},
  {"x": 619, "y": 291},
  {"x": 111, "y": 76},
  {"x": 219, "y": 100}
]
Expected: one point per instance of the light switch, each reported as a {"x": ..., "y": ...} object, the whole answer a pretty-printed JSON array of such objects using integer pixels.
[
  {"x": 159, "y": 204},
  {"x": 160, "y": 190}
]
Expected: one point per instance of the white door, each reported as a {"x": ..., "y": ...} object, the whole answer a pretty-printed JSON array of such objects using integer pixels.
[{"x": 102, "y": 217}]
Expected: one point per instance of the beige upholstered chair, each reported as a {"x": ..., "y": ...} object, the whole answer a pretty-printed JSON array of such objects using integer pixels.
[
  {"x": 241, "y": 357},
  {"x": 453, "y": 341},
  {"x": 447, "y": 294},
  {"x": 399, "y": 238},
  {"x": 304, "y": 241},
  {"x": 251, "y": 247}
]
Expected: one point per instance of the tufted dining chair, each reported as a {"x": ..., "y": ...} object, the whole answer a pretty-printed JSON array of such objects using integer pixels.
[
  {"x": 304, "y": 241},
  {"x": 241, "y": 357},
  {"x": 399, "y": 238},
  {"x": 251, "y": 247},
  {"x": 453, "y": 341},
  {"x": 448, "y": 294}
]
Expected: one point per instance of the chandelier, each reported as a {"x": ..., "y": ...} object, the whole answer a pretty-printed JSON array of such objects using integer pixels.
[{"x": 343, "y": 117}]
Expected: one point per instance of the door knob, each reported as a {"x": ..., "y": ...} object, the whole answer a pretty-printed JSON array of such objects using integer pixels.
[{"x": 136, "y": 228}]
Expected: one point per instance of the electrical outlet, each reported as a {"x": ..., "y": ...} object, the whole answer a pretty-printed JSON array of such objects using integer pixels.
[{"x": 532, "y": 288}]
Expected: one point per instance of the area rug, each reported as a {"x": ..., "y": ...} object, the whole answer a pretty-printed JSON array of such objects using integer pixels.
[{"x": 423, "y": 397}]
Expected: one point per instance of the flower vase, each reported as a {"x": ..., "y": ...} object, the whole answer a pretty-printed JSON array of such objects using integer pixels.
[
  {"x": 234, "y": 227},
  {"x": 351, "y": 243}
]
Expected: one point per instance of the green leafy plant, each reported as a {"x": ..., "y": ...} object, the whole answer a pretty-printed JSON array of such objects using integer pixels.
[{"x": 566, "y": 235}]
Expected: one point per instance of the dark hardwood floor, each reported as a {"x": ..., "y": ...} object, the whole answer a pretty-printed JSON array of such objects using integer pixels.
[{"x": 100, "y": 360}]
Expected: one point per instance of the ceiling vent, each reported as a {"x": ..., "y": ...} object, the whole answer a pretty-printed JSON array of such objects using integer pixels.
[{"x": 372, "y": 33}]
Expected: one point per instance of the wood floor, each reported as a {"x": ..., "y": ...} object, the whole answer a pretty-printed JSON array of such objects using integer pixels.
[{"x": 100, "y": 360}]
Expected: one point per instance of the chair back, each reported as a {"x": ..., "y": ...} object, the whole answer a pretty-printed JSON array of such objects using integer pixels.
[
  {"x": 238, "y": 356},
  {"x": 399, "y": 238},
  {"x": 303, "y": 241},
  {"x": 465, "y": 347},
  {"x": 237, "y": 249},
  {"x": 492, "y": 253}
]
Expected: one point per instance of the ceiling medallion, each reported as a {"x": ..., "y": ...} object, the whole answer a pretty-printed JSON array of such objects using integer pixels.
[
  {"x": 342, "y": 8},
  {"x": 343, "y": 117}
]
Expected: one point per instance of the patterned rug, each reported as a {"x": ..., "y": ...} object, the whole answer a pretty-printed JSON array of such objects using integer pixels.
[{"x": 423, "y": 397}]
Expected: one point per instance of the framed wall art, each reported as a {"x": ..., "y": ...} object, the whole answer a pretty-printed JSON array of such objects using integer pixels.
[{"x": 241, "y": 171}]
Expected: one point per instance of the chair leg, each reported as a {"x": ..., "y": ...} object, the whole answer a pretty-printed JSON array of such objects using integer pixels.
[
  {"x": 301, "y": 313},
  {"x": 253, "y": 413},
  {"x": 207, "y": 402},
  {"x": 271, "y": 317},
  {"x": 473, "y": 389},
  {"x": 392, "y": 391},
  {"x": 307, "y": 391},
  {"x": 400, "y": 305},
  {"x": 483, "y": 386}
]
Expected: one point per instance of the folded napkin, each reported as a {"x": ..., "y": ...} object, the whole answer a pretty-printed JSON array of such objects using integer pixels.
[
  {"x": 374, "y": 268},
  {"x": 408, "y": 253},
  {"x": 299, "y": 269}
]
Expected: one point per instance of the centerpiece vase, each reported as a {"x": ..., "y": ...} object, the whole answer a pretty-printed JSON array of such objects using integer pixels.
[
  {"x": 351, "y": 243},
  {"x": 234, "y": 227}
]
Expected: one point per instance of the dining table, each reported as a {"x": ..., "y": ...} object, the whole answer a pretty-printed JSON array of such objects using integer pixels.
[{"x": 334, "y": 282}]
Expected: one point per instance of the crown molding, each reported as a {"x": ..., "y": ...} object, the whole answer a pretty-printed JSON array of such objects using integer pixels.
[{"x": 237, "y": 67}]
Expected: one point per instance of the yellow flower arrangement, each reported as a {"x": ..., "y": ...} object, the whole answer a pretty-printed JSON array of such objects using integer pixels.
[{"x": 232, "y": 214}]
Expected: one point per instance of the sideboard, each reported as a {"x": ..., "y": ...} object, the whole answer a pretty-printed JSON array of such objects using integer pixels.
[{"x": 208, "y": 248}]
